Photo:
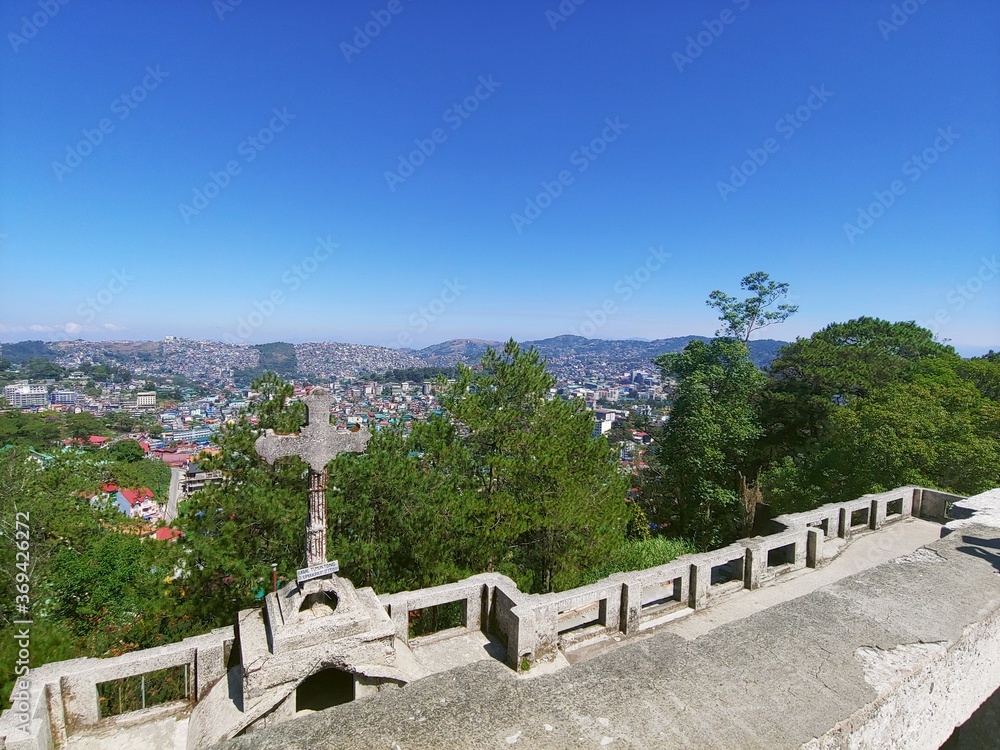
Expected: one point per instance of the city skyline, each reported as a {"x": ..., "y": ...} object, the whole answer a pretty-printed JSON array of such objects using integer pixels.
[{"x": 391, "y": 174}]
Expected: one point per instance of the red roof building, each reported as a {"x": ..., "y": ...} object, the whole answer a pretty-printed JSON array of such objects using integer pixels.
[{"x": 167, "y": 534}]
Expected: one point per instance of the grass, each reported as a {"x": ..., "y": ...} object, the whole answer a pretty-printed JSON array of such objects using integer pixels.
[{"x": 639, "y": 555}]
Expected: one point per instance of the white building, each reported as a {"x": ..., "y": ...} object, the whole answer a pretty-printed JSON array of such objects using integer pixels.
[{"x": 21, "y": 395}]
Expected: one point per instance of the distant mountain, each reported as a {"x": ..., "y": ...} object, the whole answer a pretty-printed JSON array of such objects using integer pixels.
[
  {"x": 22, "y": 351},
  {"x": 570, "y": 357},
  {"x": 567, "y": 351},
  {"x": 448, "y": 353}
]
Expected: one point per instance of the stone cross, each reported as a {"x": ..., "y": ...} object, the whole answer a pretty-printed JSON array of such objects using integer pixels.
[{"x": 317, "y": 444}]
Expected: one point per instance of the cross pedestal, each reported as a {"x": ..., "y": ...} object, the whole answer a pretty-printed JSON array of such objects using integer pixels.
[{"x": 317, "y": 443}]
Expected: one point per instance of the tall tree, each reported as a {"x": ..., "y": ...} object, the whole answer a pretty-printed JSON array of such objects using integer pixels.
[
  {"x": 740, "y": 318},
  {"x": 867, "y": 405},
  {"x": 236, "y": 530},
  {"x": 550, "y": 500},
  {"x": 702, "y": 463}
]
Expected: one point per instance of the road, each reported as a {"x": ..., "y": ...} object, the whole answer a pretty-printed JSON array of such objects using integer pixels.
[{"x": 173, "y": 497}]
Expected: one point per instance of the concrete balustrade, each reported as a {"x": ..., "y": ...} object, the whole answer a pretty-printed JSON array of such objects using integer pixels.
[{"x": 531, "y": 626}]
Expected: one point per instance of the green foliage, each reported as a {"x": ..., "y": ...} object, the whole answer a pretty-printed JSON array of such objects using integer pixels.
[
  {"x": 92, "y": 584},
  {"x": 22, "y": 351},
  {"x": 142, "y": 473},
  {"x": 868, "y": 405},
  {"x": 82, "y": 425},
  {"x": 105, "y": 373},
  {"x": 127, "y": 451},
  {"x": 549, "y": 497},
  {"x": 638, "y": 554},
  {"x": 41, "y": 369},
  {"x": 515, "y": 484},
  {"x": 707, "y": 444},
  {"x": 121, "y": 421},
  {"x": 740, "y": 318},
  {"x": 39, "y": 431},
  {"x": 237, "y": 529}
]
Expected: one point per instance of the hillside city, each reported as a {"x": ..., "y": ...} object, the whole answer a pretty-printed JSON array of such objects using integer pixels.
[{"x": 173, "y": 396}]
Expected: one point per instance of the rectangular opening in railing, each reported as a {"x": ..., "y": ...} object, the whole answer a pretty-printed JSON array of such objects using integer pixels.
[
  {"x": 434, "y": 619},
  {"x": 859, "y": 518},
  {"x": 660, "y": 598},
  {"x": 727, "y": 573},
  {"x": 824, "y": 524},
  {"x": 580, "y": 618},
  {"x": 140, "y": 691},
  {"x": 894, "y": 507},
  {"x": 781, "y": 556}
]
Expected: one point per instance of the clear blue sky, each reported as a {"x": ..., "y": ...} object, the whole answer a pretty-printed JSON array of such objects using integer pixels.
[{"x": 72, "y": 217}]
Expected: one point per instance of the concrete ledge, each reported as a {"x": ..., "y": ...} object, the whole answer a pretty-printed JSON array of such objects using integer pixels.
[{"x": 895, "y": 656}]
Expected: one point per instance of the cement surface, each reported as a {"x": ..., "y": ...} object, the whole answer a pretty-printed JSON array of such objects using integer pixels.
[
  {"x": 165, "y": 732},
  {"x": 777, "y": 678}
]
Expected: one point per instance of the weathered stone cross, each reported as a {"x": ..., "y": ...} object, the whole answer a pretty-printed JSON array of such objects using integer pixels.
[{"x": 317, "y": 444}]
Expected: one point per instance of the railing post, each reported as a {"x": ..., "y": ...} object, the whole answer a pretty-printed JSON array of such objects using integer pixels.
[
  {"x": 814, "y": 543},
  {"x": 698, "y": 590}
]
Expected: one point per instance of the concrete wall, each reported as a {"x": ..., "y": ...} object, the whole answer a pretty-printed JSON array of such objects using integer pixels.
[
  {"x": 528, "y": 624},
  {"x": 63, "y": 695}
]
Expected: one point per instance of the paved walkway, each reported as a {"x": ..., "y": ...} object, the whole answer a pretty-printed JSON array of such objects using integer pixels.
[{"x": 865, "y": 551}]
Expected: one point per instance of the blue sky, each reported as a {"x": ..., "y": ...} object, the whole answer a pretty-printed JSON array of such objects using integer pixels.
[{"x": 358, "y": 204}]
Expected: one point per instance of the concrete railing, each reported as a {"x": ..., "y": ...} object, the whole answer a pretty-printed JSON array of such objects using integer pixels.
[
  {"x": 63, "y": 696},
  {"x": 531, "y": 626}
]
